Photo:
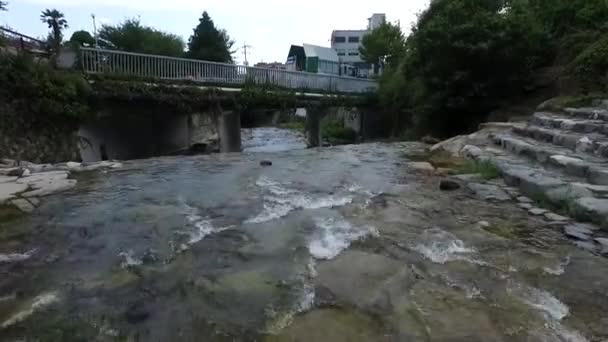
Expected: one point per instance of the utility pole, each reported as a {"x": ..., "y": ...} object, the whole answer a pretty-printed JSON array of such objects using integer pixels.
[
  {"x": 245, "y": 46},
  {"x": 95, "y": 31}
]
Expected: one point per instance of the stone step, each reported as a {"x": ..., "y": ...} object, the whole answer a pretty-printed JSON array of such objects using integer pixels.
[
  {"x": 588, "y": 168},
  {"x": 550, "y": 120},
  {"x": 590, "y": 113},
  {"x": 580, "y": 200},
  {"x": 592, "y": 143}
]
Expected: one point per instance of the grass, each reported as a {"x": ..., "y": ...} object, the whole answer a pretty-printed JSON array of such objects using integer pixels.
[
  {"x": 486, "y": 169},
  {"x": 294, "y": 125}
]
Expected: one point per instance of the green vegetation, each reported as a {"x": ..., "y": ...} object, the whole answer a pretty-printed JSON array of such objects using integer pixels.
[
  {"x": 335, "y": 131},
  {"x": 57, "y": 23},
  {"x": 210, "y": 43},
  {"x": 294, "y": 125},
  {"x": 132, "y": 36},
  {"x": 486, "y": 169},
  {"x": 39, "y": 94},
  {"x": 383, "y": 46},
  {"x": 466, "y": 58},
  {"x": 81, "y": 38}
]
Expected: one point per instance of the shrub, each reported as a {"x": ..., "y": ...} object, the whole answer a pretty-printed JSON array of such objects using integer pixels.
[
  {"x": 335, "y": 130},
  {"x": 591, "y": 66},
  {"x": 37, "y": 93}
]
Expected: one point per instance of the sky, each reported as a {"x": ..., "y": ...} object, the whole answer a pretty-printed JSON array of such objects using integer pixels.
[{"x": 269, "y": 26}]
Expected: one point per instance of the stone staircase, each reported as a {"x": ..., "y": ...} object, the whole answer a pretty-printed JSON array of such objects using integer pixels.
[{"x": 559, "y": 159}]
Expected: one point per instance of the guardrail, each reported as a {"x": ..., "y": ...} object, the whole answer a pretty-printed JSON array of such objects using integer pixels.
[
  {"x": 101, "y": 61},
  {"x": 23, "y": 42}
]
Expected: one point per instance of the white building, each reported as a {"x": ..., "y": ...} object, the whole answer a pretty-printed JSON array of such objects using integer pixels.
[{"x": 347, "y": 42}]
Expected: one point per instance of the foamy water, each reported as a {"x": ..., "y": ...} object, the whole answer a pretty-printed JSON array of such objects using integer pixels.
[
  {"x": 15, "y": 257},
  {"x": 280, "y": 201},
  {"x": 336, "y": 235},
  {"x": 441, "y": 247},
  {"x": 558, "y": 269},
  {"x": 36, "y": 304},
  {"x": 129, "y": 259},
  {"x": 545, "y": 301}
]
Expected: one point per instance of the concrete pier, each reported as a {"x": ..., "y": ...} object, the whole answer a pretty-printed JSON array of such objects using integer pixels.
[{"x": 229, "y": 123}]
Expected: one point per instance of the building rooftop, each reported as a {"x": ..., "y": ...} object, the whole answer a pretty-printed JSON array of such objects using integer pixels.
[{"x": 324, "y": 53}]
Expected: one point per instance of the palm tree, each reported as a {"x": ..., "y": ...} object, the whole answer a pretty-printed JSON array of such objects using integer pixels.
[{"x": 57, "y": 24}]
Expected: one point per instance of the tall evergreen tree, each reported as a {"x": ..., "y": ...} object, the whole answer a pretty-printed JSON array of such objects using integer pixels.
[
  {"x": 3, "y": 5},
  {"x": 210, "y": 43}
]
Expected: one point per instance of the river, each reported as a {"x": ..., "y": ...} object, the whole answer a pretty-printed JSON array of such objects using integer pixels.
[{"x": 334, "y": 244}]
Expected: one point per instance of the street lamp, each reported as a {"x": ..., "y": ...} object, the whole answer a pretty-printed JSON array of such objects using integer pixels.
[{"x": 95, "y": 31}]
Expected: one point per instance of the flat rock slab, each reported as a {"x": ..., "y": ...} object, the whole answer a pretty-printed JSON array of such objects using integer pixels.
[
  {"x": 44, "y": 177},
  {"x": 9, "y": 190},
  {"x": 537, "y": 211},
  {"x": 524, "y": 199},
  {"x": 46, "y": 189},
  {"x": 579, "y": 232},
  {"x": 595, "y": 209},
  {"x": 525, "y": 206},
  {"x": 556, "y": 218},
  {"x": 23, "y": 205},
  {"x": 7, "y": 179},
  {"x": 489, "y": 192},
  {"x": 603, "y": 242}
]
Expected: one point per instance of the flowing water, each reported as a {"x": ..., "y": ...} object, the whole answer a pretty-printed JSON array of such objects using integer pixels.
[{"x": 336, "y": 244}]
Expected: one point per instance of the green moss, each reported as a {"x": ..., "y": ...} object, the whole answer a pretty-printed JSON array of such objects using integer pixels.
[{"x": 486, "y": 169}]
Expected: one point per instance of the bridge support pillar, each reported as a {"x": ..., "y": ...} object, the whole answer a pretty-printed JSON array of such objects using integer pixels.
[
  {"x": 313, "y": 126},
  {"x": 229, "y": 123}
]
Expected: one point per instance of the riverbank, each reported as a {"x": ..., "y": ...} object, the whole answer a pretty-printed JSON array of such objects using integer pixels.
[
  {"x": 22, "y": 184},
  {"x": 349, "y": 243}
]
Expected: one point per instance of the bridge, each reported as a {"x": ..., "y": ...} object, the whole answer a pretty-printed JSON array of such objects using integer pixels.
[
  {"x": 101, "y": 61},
  {"x": 206, "y": 99}
]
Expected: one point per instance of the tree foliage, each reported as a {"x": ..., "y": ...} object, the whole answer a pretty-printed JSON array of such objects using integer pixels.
[
  {"x": 82, "y": 38},
  {"x": 210, "y": 43},
  {"x": 132, "y": 36},
  {"x": 57, "y": 23},
  {"x": 383, "y": 46},
  {"x": 3, "y": 5},
  {"x": 465, "y": 58}
]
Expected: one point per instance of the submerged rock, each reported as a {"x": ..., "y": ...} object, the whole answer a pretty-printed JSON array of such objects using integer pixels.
[
  {"x": 578, "y": 231},
  {"x": 603, "y": 242},
  {"x": 421, "y": 166},
  {"x": 23, "y": 205},
  {"x": 266, "y": 163},
  {"x": 489, "y": 192}
]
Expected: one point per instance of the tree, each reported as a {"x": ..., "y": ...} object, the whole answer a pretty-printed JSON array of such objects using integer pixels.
[
  {"x": 383, "y": 46},
  {"x": 210, "y": 43},
  {"x": 133, "y": 37},
  {"x": 3, "y": 5},
  {"x": 82, "y": 38},
  {"x": 57, "y": 23}
]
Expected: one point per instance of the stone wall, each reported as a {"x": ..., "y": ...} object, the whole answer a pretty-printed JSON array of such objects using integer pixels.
[{"x": 48, "y": 144}]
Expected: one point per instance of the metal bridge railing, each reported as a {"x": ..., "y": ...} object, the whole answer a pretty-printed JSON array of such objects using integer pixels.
[{"x": 101, "y": 61}]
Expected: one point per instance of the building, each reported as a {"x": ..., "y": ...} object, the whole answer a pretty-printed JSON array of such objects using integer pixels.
[
  {"x": 313, "y": 58},
  {"x": 273, "y": 65},
  {"x": 347, "y": 43}
]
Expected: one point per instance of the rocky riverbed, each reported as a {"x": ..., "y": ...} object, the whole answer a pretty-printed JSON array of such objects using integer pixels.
[
  {"x": 23, "y": 183},
  {"x": 351, "y": 243}
]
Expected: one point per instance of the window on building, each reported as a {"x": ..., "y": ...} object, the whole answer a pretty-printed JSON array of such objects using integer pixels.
[
  {"x": 353, "y": 39},
  {"x": 353, "y": 54},
  {"x": 341, "y": 54},
  {"x": 339, "y": 39}
]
